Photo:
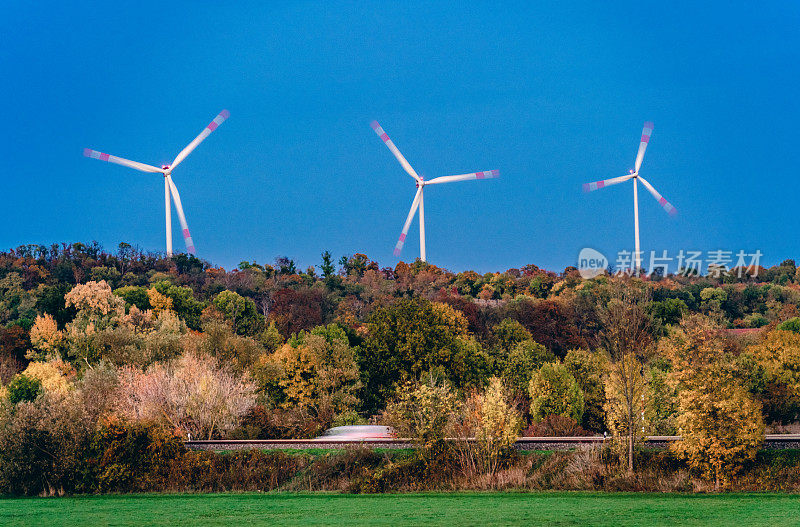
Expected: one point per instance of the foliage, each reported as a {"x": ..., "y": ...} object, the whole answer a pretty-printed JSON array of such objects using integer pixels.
[
  {"x": 410, "y": 337},
  {"x": 53, "y": 376},
  {"x": 774, "y": 374},
  {"x": 422, "y": 410},
  {"x": 588, "y": 368},
  {"x": 554, "y": 391},
  {"x": 793, "y": 324},
  {"x": 555, "y": 426},
  {"x": 719, "y": 421},
  {"x": 494, "y": 422},
  {"x": 627, "y": 336},
  {"x": 46, "y": 338},
  {"x": 191, "y": 395},
  {"x": 521, "y": 362},
  {"x": 240, "y": 311},
  {"x": 316, "y": 370},
  {"x": 23, "y": 388}
]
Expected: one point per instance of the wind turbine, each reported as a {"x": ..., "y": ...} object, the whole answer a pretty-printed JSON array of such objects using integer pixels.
[
  {"x": 634, "y": 175},
  {"x": 418, "y": 197},
  {"x": 169, "y": 186}
]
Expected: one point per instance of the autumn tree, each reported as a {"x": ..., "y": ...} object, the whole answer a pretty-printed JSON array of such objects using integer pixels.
[
  {"x": 46, "y": 338},
  {"x": 626, "y": 336},
  {"x": 317, "y": 370},
  {"x": 720, "y": 423},
  {"x": 423, "y": 410},
  {"x": 772, "y": 368},
  {"x": 587, "y": 368},
  {"x": 486, "y": 429},
  {"x": 192, "y": 394}
]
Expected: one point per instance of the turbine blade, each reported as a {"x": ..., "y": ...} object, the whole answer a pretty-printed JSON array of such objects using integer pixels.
[
  {"x": 465, "y": 177},
  {"x": 218, "y": 120},
  {"x": 181, "y": 217},
  {"x": 406, "y": 166},
  {"x": 94, "y": 154},
  {"x": 597, "y": 185},
  {"x": 661, "y": 201},
  {"x": 414, "y": 205},
  {"x": 646, "y": 131}
]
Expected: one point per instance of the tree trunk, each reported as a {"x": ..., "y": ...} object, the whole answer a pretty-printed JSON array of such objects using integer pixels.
[{"x": 630, "y": 451}]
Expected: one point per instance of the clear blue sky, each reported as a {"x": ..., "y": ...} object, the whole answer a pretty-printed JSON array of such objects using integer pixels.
[{"x": 553, "y": 96}]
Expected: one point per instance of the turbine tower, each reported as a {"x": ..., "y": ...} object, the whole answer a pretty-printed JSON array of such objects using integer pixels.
[
  {"x": 169, "y": 187},
  {"x": 634, "y": 175},
  {"x": 419, "y": 201}
]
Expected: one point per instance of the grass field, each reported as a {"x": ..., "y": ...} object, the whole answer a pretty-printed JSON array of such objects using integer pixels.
[{"x": 406, "y": 509}]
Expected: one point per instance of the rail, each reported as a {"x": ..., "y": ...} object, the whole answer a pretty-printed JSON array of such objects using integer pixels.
[{"x": 772, "y": 441}]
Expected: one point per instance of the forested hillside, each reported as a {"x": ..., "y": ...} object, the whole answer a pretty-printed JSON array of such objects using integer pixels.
[{"x": 91, "y": 339}]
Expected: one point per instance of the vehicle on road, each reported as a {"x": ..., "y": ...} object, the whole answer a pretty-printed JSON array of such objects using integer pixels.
[{"x": 355, "y": 432}]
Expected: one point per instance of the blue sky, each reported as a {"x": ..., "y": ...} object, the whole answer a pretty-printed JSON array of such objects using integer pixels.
[{"x": 551, "y": 95}]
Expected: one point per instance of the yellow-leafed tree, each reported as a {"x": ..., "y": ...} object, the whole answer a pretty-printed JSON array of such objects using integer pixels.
[{"x": 720, "y": 423}]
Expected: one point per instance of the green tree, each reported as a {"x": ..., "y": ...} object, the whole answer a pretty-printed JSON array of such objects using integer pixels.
[
  {"x": 793, "y": 324},
  {"x": 328, "y": 268},
  {"x": 411, "y": 337},
  {"x": 184, "y": 304},
  {"x": 23, "y": 388},
  {"x": 509, "y": 333},
  {"x": 554, "y": 391},
  {"x": 240, "y": 311},
  {"x": 587, "y": 368},
  {"x": 525, "y": 358},
  {"x": 134, "y": 296}
]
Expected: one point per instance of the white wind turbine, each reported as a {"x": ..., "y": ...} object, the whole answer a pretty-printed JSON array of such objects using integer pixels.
[
  {"x": 418, "y": 198},
  {"x": 169, "y": 186},
  {"x": 634, "y": 175}
]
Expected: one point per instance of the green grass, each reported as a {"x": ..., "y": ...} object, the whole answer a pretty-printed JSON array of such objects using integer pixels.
[{"x": 406, "y": 509}]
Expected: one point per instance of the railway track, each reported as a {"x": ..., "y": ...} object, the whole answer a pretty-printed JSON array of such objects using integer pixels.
[{"x": 772, "y": 442}]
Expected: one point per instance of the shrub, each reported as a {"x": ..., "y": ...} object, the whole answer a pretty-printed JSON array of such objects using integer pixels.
[
  {"x": 133, "y": 457},
  {"x": 192, "y": 394},
  {"x": 23, "y": 388},
  {"x": 494, "y": 422},
  {"x": 422, "y": 410},
  {"x": 555, "y": 426},
  {"x": 793, "y": 324}
]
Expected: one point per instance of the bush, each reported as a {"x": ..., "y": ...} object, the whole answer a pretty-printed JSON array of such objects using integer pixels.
[
  {"x": 23, "y": 388},
  {"x": 555, "y": 426},
  {"x": 494, "y": 422},
  {"x": 793, "y": 324},
  {"x": 133, "y": 457},
  {"x": 422, "y": 411}
]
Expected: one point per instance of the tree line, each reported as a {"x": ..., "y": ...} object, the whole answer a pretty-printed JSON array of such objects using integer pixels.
[{"x": 91, "y": 338}]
